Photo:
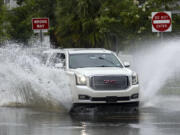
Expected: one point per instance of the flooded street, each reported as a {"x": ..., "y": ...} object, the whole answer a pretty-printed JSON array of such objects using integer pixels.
[
  {"x": 84, "y": 67},
  {"x": 35, "y": 99},
  {"x": 26, "y": 121}
]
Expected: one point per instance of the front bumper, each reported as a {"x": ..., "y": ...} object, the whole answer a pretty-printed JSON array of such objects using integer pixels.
[{"x": 85, "y": 94}]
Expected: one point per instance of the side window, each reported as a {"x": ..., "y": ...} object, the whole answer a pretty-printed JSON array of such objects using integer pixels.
[{"x": 59, "y": 58}]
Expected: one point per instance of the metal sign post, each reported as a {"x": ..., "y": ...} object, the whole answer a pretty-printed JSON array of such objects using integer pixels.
[
  {"x": 162, "y": 38},
  {"x": 41, "y": 36}
]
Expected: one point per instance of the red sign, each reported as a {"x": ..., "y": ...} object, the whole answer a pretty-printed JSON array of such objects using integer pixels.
[
  {"x": 40, "y": 23},
  {"x": 161, "y": 22}
]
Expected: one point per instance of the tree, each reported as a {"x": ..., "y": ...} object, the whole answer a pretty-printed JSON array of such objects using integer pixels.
[
  {"x": 3, "y": 22},
  {"x": 101, "y": 23},
  {"x": 20, "y": 17},
  {"x": 110, "y": 24},
  {"x": 87, "y": 23},
  {"x": 145, "y": 11}
]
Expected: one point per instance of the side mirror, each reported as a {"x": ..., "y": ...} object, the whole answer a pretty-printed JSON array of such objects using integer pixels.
[
  {"x": 59, "y": 65},
  {"x": 126, "y": 64}
]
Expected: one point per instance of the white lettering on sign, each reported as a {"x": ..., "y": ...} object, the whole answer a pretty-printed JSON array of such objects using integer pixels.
[
  {"x": 40, "y": 21},
  {"x": 156, "y": 17},
  {"x": 161, "y": 25},
  {"x": 164, "y": 17},
  {"x": 40, "y": 26}
]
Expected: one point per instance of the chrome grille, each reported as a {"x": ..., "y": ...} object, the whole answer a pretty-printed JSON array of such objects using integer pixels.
[{"x": 109, "y": 82}]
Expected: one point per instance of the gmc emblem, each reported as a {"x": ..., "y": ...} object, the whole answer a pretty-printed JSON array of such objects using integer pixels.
[{"x": 109, "y": 81}]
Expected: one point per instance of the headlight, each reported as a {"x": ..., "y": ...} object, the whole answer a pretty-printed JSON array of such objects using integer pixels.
[
  {"x": 81, "y": 80},
  {"x": 134, "y": 79}
]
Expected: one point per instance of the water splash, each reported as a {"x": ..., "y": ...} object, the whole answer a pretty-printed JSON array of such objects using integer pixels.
[
  {"x": 25, "y": 81},
  {"x": 155, "y": 64}
]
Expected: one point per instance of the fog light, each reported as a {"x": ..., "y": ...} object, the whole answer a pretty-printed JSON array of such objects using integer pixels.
[
  {"x": 134, "y": 96},
  {"x": 84, "y": 97}
]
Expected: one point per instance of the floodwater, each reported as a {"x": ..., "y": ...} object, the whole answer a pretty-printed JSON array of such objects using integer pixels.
[
  {"x": 149, "y": 121},
  {"x": 35, "y": 99}
]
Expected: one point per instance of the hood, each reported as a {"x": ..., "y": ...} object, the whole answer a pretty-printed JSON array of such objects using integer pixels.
[{"x": 103, "y": 71}]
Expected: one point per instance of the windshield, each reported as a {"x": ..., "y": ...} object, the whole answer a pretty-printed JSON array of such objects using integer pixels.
[{"x": 93, "y": 60}]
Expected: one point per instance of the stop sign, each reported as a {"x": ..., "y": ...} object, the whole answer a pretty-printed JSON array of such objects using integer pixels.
[{"x": 161, "y": 22}]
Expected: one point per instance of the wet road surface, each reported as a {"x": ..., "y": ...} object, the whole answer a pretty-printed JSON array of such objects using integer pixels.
[{"x": 149, "y": 121}]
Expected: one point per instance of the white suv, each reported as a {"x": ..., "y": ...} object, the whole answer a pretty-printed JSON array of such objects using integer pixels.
[{"x": 97, "y": 76}]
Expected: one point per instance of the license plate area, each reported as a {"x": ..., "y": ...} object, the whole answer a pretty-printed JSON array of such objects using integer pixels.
[{"x": 111, "y": 99}]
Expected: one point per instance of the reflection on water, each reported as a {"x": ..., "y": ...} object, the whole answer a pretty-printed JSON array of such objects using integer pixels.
[
  {"x": 25, "y": 82},
  {"x": 26, "y": 121},
  {"x": 21, "y": 121}
]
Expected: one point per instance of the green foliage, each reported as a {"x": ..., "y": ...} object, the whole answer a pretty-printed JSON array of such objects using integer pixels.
[
  {"x": 20, "y": 24},
  {"x": 3, "y": 22},
  {"x": 21, "y": 17},
  {"x": 20, "y": 2},
  {"x": 86, "y": 23},
  {"x": 101, "y": 23}
]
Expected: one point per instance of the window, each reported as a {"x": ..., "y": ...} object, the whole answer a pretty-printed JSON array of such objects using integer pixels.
[
  {"x": 57, "y": 58},
  {"x": 93, "y": 60}
]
